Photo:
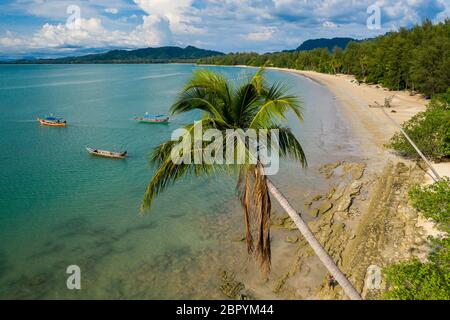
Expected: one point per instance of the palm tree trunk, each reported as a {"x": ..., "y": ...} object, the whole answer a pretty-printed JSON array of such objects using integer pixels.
[{"x": 348, "y": 288}]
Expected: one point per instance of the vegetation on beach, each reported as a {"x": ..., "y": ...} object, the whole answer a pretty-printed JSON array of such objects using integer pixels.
[
  {"x": 433, "y": 201},
  {"x": 414, "y": 280},
  {"x": 430, "y": 130},
  {"x": 430, "y": 280},
  {"x": 417, "y": 59}
]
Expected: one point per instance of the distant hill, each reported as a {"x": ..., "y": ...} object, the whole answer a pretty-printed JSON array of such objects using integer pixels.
[
  {"x": 146, "y": 55},
  {"x": 325, "y": 43}
]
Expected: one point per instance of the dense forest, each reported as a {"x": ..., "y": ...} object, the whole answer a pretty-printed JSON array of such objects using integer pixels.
[
  {"x": 145, "y": 55},
  {"x": 417, "y": 59}
]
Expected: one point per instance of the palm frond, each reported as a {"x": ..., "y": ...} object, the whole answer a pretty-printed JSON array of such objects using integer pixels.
[
  {"x": 289, "y": 146},
  {"x": 259, "y": 80},
  {"x": 206, "y": 91},
  {"x": 245, "y": 98},
  {"x": 169, "y": 172},
  {"x": 277, "y": 102}
]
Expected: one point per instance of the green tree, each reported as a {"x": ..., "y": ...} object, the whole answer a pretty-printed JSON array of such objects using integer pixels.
[
  {"x": 430, "y": 130},
  {"x": 253, "y": 105},
  {"x": 429, "y": 280},
  {"x": 433, "y": 201},
  {"x": 417, "y": 59}
]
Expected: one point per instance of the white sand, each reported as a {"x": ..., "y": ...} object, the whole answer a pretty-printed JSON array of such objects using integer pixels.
[
  {"x": 357, "y": 98},
  {"x": 370, "y": 124}
]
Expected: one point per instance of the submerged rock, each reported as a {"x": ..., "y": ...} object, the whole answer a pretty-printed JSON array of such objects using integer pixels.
[
  {"x": 310, "y": 202},
  {"x": 315, "y": 212},
  {"x": 348, "y": 195},
  {"x": 230, "y": 287},
  {"x": 284, "y": 222},
  {"x": 291, "y": 239},
  {"x": 327, "y": 169},
  {"x": 356, "y": 170},
  {"x": 325, "y": 206}
]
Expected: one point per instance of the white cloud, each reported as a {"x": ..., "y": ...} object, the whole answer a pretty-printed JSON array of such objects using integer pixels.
[
  {"x": 127, "y": 19},
  {"x": 226, "y": 25},
  {"x": 329, "y": 24},
  {"x": 11, "y": 42},
  {"x": 153, "y": 31},
  {"x": 112, "y": 10},
  {"x": 89, "y": 33},
  {"x": 179, "y": 13},
  {"x": 264, "y": 35}
]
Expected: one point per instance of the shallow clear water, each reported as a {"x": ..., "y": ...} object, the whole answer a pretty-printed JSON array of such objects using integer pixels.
[{"x": 59, "y": 206}]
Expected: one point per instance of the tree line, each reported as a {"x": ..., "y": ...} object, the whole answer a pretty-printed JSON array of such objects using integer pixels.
[{"x": 416, "y": 59}]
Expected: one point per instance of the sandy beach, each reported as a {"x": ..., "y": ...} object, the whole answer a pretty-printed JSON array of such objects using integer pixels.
[
  {"x": 370, "y": 123},
  {"x": 356, "y": 98}
]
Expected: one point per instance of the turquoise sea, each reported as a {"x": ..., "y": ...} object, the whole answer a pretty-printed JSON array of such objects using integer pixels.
[{"x": 60, "y": 207}]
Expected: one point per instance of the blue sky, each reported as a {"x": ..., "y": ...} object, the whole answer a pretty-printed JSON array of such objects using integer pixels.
[{"x": 49, "y": 28}]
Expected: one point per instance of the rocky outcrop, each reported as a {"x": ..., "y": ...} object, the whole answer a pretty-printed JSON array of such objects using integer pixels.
[{"x": 363, "y": 221}]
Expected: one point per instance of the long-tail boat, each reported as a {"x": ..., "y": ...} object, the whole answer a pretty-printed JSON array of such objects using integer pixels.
[
  {"x": 153, "y": 118},
  {"x": 52, "y": 122},
  {"x": 107, "y": 154}
]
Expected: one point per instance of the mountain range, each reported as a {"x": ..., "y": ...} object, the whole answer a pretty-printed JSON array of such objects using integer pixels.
[
  {"x": 169, "y": 54},
  {"x": 146, "y": 55},
  {"x": 330, "y": 44}
]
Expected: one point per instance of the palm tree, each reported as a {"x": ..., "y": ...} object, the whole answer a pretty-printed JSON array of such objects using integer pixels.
[{"x": 253, "y": 105}]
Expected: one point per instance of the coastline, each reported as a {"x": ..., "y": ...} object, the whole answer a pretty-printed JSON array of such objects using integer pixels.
[
  {"x": 359, "y": 213},
  {"x": 370, "y": 124},
  {"x": 364, "y": 220},
  {"x": 368, "y": 223},
  {"x": 355, "y": 99}
]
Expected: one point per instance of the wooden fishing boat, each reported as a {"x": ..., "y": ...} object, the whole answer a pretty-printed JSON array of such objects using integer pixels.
[
  {"x": 153, "y": 118},
  {"x": 107, "y": 154},
  {"x": 52, "y": 122}
]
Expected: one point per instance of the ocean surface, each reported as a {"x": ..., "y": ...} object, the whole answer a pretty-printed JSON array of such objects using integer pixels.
[{"x": 59, "y": 206}]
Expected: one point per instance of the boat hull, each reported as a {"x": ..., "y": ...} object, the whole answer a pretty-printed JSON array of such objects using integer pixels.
[
  {"x": 154, "y": 121},
  {"x": 106, "y": 154},
  {"x": 51, "y": 123}
]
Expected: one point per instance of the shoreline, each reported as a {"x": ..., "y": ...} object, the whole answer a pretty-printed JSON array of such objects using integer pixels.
[
  {"x": 355, "y": 99},
  {"x": 363, "y": 242},
  {"x": 370, "y": 124},
  {"x": 364, "y": 220},
  {"x": 359, "y": 211}
]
